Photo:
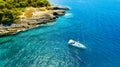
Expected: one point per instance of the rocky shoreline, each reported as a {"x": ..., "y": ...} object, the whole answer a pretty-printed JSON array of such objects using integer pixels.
[{"x": 38, "y": 17}]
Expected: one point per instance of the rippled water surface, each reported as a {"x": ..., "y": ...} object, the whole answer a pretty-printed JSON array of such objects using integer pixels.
[{"x": 94, "y": 23}]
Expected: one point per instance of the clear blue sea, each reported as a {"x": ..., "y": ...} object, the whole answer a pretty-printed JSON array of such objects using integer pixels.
[{"x": 94, "y": 23}]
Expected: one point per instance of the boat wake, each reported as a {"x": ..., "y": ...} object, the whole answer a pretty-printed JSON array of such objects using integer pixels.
[{"x": 68, "y": 15}]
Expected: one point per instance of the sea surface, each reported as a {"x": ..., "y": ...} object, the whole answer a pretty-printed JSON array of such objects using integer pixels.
[{"x": 94, "y": 23}]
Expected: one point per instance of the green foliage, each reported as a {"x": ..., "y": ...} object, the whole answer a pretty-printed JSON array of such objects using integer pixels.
[
  {"x": 9, "y": 15},
  {"x": 2, "y": 5},
  {"x": 11, "y": 9}
]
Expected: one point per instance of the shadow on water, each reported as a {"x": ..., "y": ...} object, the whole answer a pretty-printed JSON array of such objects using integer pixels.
[
  {"x": 3, "y": 42},
  {"x": 8, "y": 47},
  {"x": 5, "y": 39}
]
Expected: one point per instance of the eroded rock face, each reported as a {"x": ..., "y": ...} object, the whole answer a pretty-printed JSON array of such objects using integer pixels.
[
  {"x": 39, "y": 17},
  {"x": 59, "y": 12}
]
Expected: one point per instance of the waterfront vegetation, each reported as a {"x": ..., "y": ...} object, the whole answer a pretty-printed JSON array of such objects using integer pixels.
[{"x": 11, "y": 9}]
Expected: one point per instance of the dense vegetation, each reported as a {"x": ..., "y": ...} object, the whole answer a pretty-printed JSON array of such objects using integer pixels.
[{"x": 11, "y": 9}]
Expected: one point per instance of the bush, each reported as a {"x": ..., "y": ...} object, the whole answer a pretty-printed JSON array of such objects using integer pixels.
[
  {"x": 11, "y": 9},
  {"x": 2, "y": 5}
]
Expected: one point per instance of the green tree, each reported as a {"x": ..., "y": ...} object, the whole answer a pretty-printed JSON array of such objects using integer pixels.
[{"x": 11, "y": 9}]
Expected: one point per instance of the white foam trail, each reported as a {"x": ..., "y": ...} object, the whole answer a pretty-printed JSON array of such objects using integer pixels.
[{"x": 68, "y": 15}]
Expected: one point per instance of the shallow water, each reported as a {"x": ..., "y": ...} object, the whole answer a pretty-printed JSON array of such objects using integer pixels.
[{"x": 94, "y": 23}]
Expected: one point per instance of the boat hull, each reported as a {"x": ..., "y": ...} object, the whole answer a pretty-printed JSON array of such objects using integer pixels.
[{"x": 76, "y": 44}]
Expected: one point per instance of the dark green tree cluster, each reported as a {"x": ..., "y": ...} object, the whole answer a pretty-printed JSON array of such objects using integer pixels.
[{"x": 11, "y": 9}]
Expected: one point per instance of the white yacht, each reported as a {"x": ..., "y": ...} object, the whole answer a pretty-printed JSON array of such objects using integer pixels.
[{"x": 76, "y": 44}]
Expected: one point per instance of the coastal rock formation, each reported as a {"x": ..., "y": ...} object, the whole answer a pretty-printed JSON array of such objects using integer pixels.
[
  {"x": 59, "y": 12},
  {"x": 35, "y": 18},
  {"x": 58, "y": 8}
]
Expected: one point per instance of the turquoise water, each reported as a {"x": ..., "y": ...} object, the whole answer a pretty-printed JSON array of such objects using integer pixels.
[{"x": 94, "y": 23}]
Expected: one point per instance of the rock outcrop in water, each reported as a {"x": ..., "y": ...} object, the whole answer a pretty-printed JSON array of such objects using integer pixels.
[{"x": 38, "y": 16}]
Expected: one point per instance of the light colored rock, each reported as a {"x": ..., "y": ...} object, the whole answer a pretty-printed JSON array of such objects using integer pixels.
[{"x": 39, "y": 16}]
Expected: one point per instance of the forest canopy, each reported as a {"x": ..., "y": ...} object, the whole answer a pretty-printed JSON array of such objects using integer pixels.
[{"x": 11, "y": 9}]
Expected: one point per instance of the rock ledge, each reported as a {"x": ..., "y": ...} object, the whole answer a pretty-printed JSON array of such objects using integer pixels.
[{"x": 38, "y": 16}]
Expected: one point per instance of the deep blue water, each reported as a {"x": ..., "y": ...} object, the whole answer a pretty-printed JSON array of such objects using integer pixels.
[{"x": 94, "y": 23}]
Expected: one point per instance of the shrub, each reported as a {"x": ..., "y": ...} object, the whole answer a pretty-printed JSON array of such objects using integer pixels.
[{"x": 11, "y": 9}]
